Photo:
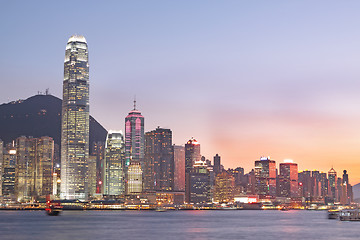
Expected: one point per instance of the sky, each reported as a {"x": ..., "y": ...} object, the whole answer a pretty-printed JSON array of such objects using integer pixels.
[{"x": 245, "y": 78}]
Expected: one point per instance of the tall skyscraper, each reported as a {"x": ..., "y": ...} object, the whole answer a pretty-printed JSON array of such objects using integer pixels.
[
  {"x": 179, "y": 168},
  {"x": 192, "y": 155},
  {"x": 199, "y": 182},
  {"x": 332, "y": 175},
  {"x": 265, "y": 177},
  {"x": 134, "y": 137},
  {"x": 114, "y": 164},
  {"x": 224, "y": 187},
  {"x": 159, "y": 160},
  {"x": 134, "y": 178},
  {"x": 98, "y": 150},
  {"x": 75, "y": 120},
  {"x": 288, "y": 179}
]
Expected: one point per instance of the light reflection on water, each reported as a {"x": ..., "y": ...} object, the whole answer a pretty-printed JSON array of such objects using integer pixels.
[{"x": 175, "y": 225}]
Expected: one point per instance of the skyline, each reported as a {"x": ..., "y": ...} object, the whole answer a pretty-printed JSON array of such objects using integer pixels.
[{"x": 237, "y": 78}]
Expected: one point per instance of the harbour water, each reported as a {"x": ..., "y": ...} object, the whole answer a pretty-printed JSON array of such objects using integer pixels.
[{"x": 222, "y": 224}]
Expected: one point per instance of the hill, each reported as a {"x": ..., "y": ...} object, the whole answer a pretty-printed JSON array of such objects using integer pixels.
[{"x": 37, "y": 116}]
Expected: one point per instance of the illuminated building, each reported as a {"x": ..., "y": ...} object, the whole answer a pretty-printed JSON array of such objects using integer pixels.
[
  {"x": 98, "y": 150},
  {"x": 265, "y": 177},
  {"x": 75, "y": 120},
  {"x": 179, "y": 168},
  {"x": 305, "y": 181},
  {"x": 346, "y": 195},
  {"x": 224, "y": 188},
  {"x": 1, "y": 164},
  {"x": 134, "y": 137},
  {"x": 114, "y": 164},
  {"x": 159, "y": 160},
  {"x": 192, "y": 155},
  {"x": 288, "y": 179},
  {"x": 217, "y": 165},
  {"x": 134, "y": 178},
  {"x": 199, "y": 181},
  {"x": 92, "y": 175},
  {"x": 34, "y": 163},
  {"x": 332, "y": 182},
  {"x": 8, "y": 178}
]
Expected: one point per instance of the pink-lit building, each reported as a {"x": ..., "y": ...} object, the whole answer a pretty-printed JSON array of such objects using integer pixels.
[{"x": 179, "y": 168}]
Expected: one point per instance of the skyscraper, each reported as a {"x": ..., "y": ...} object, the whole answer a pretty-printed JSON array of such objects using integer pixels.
[
  {"x": 288, "y": 179},
  {"x": 75, "y": 120},
  {"x": 199, "y": 183},
  {"x": 192, "y": 155},
  {"x": 265, "y": 177},
  {"x": 332, "y": 183},
  {"x": 159, "y": 160},
  {"x": 114, "y": 164},
  {"x": 134, "y": 137},
  {"x": 134, "y": 178},
  {"x": 179, "y": 168}
]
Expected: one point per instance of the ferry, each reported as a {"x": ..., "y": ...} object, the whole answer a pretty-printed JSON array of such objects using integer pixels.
[
  {"x": 349, "y": 215},
  {"x": 333, "y": 214}
]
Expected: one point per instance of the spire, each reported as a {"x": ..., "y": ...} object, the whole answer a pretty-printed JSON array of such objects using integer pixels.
[{"x": 135, "y": 102}]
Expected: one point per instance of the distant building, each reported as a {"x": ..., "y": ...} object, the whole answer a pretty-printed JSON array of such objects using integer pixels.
[
  {"x": 199, "y": 179},
  {"x": 288, "y": 180},
  {"x": 179, "y": 168},
  {"x": 114, "y": 164},
  {"x": 134, "y": 178},
  {"x": 224, "y": 187},
  {"x": 8, "y": 177},
  {"x": 265, "y": 177},
  {"x": 1, "y": 164},
  {"x": 332, "y": 182},
  {"x": 217, "y": 164},
  {"x": 98, "y": 150},
  {"x": 75, "y": 120},
  {"x": 192, "y": 155},
  {"x": 159, "y": 160},
  {"x": 92, "y": 175}
]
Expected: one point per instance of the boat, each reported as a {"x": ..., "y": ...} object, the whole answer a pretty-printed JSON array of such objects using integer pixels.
[
  {"x": 349, "y": 215},
  {"x": 53, "y": 207},
  {"x": 333, "y": 214},
  {"x": 160, "y": 209}
]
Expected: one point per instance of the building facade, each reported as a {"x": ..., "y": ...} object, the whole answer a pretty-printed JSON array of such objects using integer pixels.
[
  {"x": 75, "y": 120},
  {"x": 159, "y": 160},
  {"x": 288, "y": 180},
  {"x": 265, "y": 177},
  {"x": 192, "y": 155},
  {"x": 114, "y": 164},
  {"x": 179, "y": 167}
]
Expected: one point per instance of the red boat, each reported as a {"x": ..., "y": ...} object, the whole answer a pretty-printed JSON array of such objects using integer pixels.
[{"x": 53, "y": 207}]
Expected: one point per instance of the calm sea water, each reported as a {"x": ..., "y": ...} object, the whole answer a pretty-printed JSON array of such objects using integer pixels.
[{"x": 145, "y": 225}]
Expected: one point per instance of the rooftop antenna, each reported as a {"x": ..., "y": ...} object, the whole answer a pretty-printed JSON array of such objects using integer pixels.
[{"x": 134, "y": 102}]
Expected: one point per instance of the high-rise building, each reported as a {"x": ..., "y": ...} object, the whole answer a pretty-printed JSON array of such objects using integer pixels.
[
  {"x": 199, "y": 182},
  {"x": 134, "y": 178},
  {"x": 265, "y": 177},
  {"x": 75, "y": 120},
  {"x": 288, "y": 179},
  {"x": 92, "y": 175},
  {"x": 217, "y": 164},
  {"x": 114, "y": 164},
  {"x": 179, "y": 168},
  {"x": 134, "y": 137},
  {"x": 159, "y": 160},
  {"x": 192, "y": 155},
  {"x": 9, "y": 162},
  {"x": 224, "y": 187},
  {"x": 332, "y": 183},
  {"x": 98, "y": 150},
  {"x": 1, "y": 164}
]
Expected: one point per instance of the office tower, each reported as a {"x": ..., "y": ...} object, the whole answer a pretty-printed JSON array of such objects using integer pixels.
[
  {"x": 134, "y": 178},
  {"x": 75, "y": 120},
  {"x": 92, "y": 175},
  {"x": 288, "y": 179},
  {"x": 114, "y": 164},
  {"x": 179, "y": 168},
  {"x": 134, "y": 137},
  {"x": 98, "y": 150},
  {"x": 44, "y": 166},
  {"x": 199, "y": 182},
  {"x": 159, "y": 160},
  {"x": 192, "y": 155},
  {"x": 9, "y": 162},
  {"x": 1, "y": 164},
  {"x": 346, "y": 195},
  {"x": 265, "y": 177},
  {"x": 217, "y": 164},
  {"x": 305, "y": 183},
  {"x": 25, "y": 168},
  {"x": 332, "y": 182},
  {"x": 224, "y": 188}
]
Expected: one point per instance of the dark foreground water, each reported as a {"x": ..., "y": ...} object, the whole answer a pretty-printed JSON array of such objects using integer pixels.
[{"x": 145, "y": 225}]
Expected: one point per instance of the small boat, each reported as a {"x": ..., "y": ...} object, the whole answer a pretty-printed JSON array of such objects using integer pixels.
[
  {"x": 349, "y": 215},
  {"x": 333, "y": 214},
  {"x": 160, "y": 209},
  {"x": 53, "y": 207}
]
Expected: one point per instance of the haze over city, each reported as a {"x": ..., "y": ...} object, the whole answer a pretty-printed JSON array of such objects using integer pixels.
[{"x": 245, "y": 79}]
